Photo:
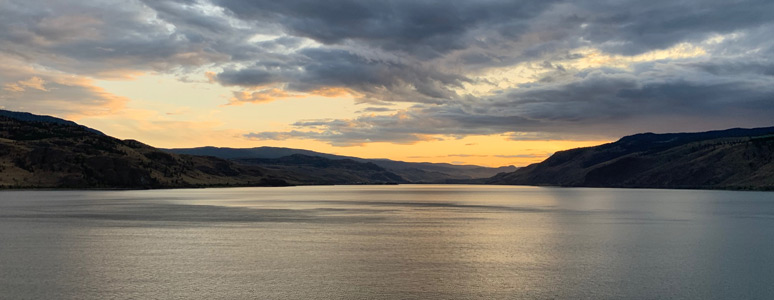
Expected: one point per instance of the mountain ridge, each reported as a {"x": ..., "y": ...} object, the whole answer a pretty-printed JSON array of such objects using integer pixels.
[
  {"x": 736, "y": 158},
  {"x": 48, "y": 152},
  {"x": 25, "y": 116},
  {"x": 415, "y": 172}
]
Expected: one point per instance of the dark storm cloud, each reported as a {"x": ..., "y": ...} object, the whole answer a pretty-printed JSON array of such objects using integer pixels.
[
  {"x": 601, "y": 104},
  {"x": 633, "y": 27},
  {"x": 88, "y": 37},
  {"x": 426, "y": 53},
  {"x": 317, "y": 68},
  {"x": 167, "y": 32},
  {"x": 190, "y": 19},
  {"x": 423, "y": 28},
  {"x": 618, "y": 98},
  {"x": 737, "y": 67}
]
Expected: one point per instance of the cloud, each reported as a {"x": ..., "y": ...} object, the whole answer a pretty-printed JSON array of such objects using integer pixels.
[
  {"x": 265, "y": 95},
  {"x": 22, "y": 85},
  {"x": 93, "y": 36},
  {"x": 375, "y": 109},
  {"x": 98, "y": 37},
  {"x": 44, "y": 91},
  {"x": 344, "y": 138},
  {"x": 633, "y": 27},
  {"x": 420, "y": 28},
  {"x": 525, "y": 69},
  {"x": 71, "y": 99},
  {"x": 372, "y": 79},
  {"x": 601, "y": 103}
]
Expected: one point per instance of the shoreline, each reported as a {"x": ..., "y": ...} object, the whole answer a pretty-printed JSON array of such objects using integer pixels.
[{"x": 735, "y": 189}]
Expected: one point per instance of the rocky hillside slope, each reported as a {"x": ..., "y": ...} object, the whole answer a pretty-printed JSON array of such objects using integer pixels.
[{"x": 727, "y": 159}]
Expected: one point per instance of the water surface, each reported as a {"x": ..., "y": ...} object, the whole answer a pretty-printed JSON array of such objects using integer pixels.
[{"x": 387, "y": 242}]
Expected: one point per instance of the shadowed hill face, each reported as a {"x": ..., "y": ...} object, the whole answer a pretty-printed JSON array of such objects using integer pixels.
[
  {"x": 652, "y": 141},
  {"x": 54, "y": 154},
  {"x": 409, "y": 171},
  {"x": 46, "y": 152},
  {"x": 317, "y": 162},
  {"x": 329, "y": 171},
  {"x": 728, "y": 159},
  {"x": 248, "y": 153},
  {"x": 28, "y": 117}
]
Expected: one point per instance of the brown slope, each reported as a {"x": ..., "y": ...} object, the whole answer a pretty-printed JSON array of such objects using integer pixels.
[
  {"x": 39, "y": 154},
  {"x": 322, "y": 170},
  {"x": 721, "y": 160}
]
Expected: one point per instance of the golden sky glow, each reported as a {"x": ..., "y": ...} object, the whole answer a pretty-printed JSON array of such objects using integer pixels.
[
  {"x": 472, "y": 82},
  {"x": 168, "y": 113}
]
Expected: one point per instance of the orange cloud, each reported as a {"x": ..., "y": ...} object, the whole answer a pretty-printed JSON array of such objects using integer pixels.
[
  {"x": 332, "y": 92},
  {"x": 22, "y": 85},
  {"x": 264, "y": 94},
  {"x": 46, "y": 91},
  {"x": 212, "y": 77},
  {"x": 261, "y": 96}
]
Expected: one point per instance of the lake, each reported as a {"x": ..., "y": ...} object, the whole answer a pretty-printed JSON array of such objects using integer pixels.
[{"x": 387, "y": 242}]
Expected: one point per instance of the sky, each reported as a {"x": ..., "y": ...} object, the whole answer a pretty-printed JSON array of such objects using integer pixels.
[{"x": 467, "y": 82}]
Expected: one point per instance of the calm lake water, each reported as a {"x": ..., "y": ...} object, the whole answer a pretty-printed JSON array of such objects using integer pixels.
[{"x": 387, "y": 242}]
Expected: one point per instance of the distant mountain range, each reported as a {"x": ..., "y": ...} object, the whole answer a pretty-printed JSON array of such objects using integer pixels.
[
  {"x": 48, "y": 152},
  {"x": 726, "y": 159},
  {"x": 408, "y": 171},
  {"x": 320, "y": 170}
]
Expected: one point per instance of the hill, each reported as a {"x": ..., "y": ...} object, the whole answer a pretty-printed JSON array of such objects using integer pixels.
[
  {"x": 47, "y": 152},
  {"x": 726, "y": 159},
  {"x": 321, "y": 170},
  {"x": 409, "y": 171},
  {"x": 28, "y": 117}
]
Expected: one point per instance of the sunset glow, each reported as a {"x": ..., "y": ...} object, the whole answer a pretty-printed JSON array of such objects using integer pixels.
[{"x": 487, "y": 83}]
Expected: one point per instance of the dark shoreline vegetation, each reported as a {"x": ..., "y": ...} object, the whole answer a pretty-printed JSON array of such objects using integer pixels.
[{"x": 42, "y": 152}]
